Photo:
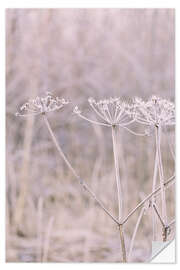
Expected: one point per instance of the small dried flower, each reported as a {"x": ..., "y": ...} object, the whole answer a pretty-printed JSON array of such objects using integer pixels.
[
  {"x": 112, "y": 111},
  {"x": 41, "y": 105},
  {"x": 76, "y": 110},
  {"x": 155, "y": 112}
]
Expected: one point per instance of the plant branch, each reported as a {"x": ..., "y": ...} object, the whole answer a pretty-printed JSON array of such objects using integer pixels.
[
  {"x": 81, "y": 182},
  {"x": 135, "y": 232},
  {"x": 172, "y": 222},
  {"x": 116, "y": 164},
  {"x": 170, "y": 180},
  {"x": 121, "y": 233},
  {"x": 154, "y": 218},
  {"x": 158, "y": 215},
  {"x": 161, "y": 174}
]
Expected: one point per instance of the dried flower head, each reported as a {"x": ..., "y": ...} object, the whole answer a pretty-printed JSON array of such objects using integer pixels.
[
  {"x": 41, "y": 105},
  {"x": 112, "y": 111},
  {"x": 155, "y": 112}
]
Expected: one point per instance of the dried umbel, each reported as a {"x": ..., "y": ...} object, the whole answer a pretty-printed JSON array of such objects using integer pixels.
[
  {"x": 155, "y": 112},
  {"x": 113, "y": 112},
  {"x": 41, "y": 105}
]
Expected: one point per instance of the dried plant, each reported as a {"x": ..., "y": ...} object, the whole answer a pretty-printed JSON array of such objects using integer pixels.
[
  {"x": 114, "y": 113},
  {"x": 41, "y": 105},
  {"x": 117, "y": 114},
  {"x": 156, "y": 113}
]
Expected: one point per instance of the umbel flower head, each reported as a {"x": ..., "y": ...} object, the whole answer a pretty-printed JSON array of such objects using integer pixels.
[
  {"x": 42, "y": 105},
  {"x": 112, "y": 111},
  {"x": 155, "y": 112}
]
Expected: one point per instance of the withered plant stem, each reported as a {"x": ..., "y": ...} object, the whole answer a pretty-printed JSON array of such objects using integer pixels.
[
  {"x": 81, "y": 182},
  {"x": 135, "y": 232},
  {"x": 119, "y": 190},
  {"x": 170, "y": 180},
  {"x": 117, "y": 173},
  {"x": 123, "y": 247},
  {"x": 161, "y": 173},
  {"x": 158, "y": 215},
  {"x": 154, "y": 218}
]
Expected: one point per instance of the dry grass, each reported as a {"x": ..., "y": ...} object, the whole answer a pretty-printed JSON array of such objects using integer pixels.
[{"x": 82, "y": 53}]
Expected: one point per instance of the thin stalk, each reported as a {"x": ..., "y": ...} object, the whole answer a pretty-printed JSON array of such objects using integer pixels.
[
  {"x": 131, "y": 131},
  {"x": 116, "y": 164},
  {"x": 135, "y": 232},
  {"x": 158, "y": 215},
  {"x": 161, "y": 173},
  {"x": 81, "y": 182},
  {"x": 165, "y": 228},
  {"x": 154, "y": 218},
  {"x": 121, "y": 233},
  {"x": 93, "y": 122},
  {"x": 172, "y": 222},
  {"x": 119, "y": 190},
  {"x": 170, "y": 180}
]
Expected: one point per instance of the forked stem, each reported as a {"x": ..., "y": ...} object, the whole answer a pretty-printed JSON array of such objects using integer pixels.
[{"x": 81, "y": 182}]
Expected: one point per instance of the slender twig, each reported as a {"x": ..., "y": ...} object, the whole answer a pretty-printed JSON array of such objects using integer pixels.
[
  {"x": 154, "y": 218},
  {"x": 135, "y": 232},
  {"x": 161, "y": 174},
  {"x": 81, "y": 182},
  {"x": 133, "y": 132},
  {"x": 123, "y": 247},
  {"x": 93, "y": 121},
  {"x": 165, "y": 228},
  {"x": 170, "y": 180},
  {"x": 119, "y": 190},
  {"x": 158, "y": 215},
  {"x": 116, "y": 164},
  {"x": 172, "y": 222}
]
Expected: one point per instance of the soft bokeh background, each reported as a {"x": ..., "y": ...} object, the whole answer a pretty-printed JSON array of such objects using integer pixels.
[{"x": 78, "y": 53}]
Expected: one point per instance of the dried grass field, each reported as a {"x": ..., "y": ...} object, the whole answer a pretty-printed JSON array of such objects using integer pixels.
[{"x": 77, "y": 54}]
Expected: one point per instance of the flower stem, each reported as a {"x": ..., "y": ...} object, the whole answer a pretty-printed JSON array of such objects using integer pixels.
[
  {"x": 154, "y": 218},
  {"x": 135, "y": 232},
  {"x": 161, "y": 173},
  {"x": 119, "y": 190},
  {"x": 81, "y": 182},
  {"x": 157, "y": 190},
  {"x": 121, "y": 232},
  {"x": 116, "y": 164}
]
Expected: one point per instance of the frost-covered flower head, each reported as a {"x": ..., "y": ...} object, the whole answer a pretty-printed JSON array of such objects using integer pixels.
[
  {"x": 155, "y": 112},
  {"x": 112, "y": 111},
  {"x": 42, "y": 105}
]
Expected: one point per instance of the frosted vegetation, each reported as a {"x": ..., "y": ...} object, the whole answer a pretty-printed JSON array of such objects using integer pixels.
[{"x": 89, "y": 179}]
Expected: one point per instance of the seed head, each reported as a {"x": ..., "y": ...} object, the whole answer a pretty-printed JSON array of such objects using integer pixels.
[
  {"x": 112, "y": 111},
  {"x": 156, "y": 111},
  {"x": 41, "y": 105}
]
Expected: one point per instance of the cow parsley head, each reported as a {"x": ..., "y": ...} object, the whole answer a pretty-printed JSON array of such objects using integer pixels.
[
  {"x": 111, "y": 111},
  {"x": 154, "y": 112},
  {"x": 41, "y": 105}
]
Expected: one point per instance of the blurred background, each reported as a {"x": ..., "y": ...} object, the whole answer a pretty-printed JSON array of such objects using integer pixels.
[{"x": 76, "y": 54}]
